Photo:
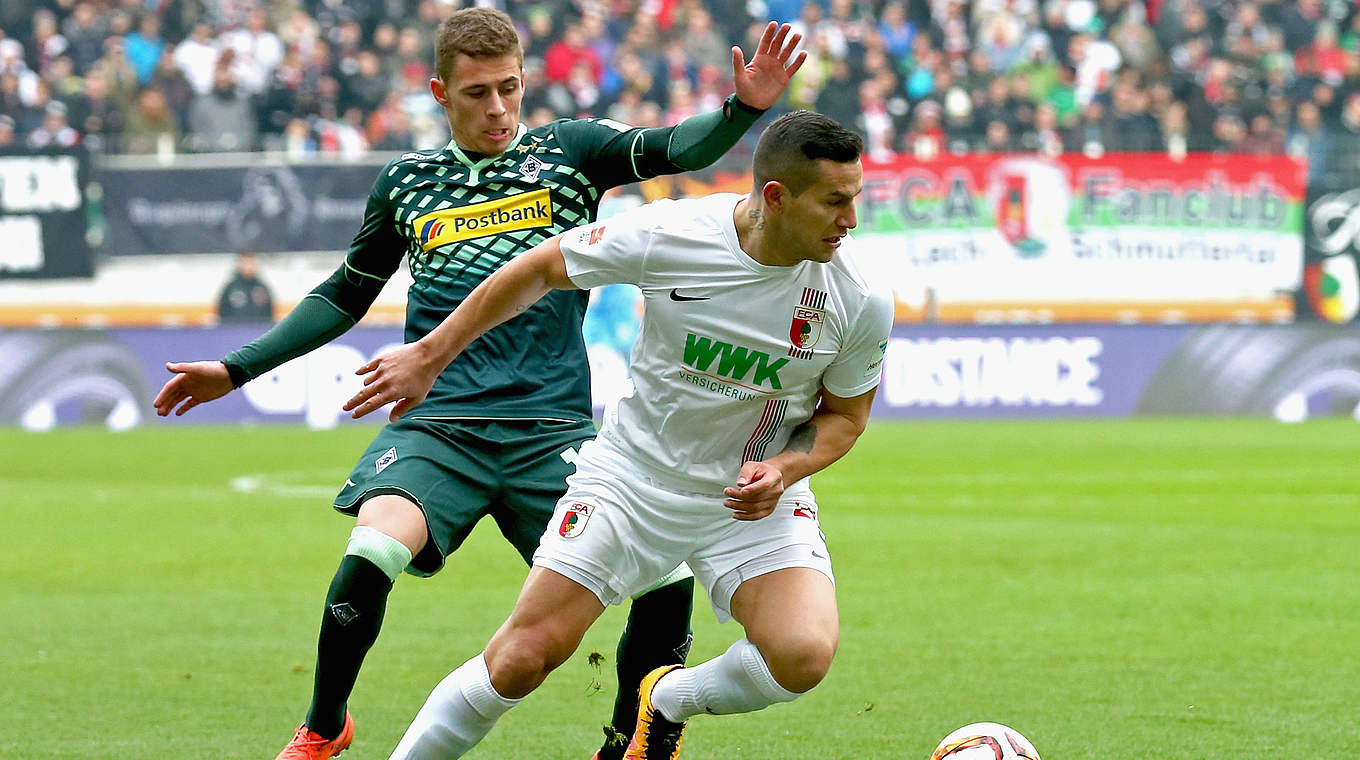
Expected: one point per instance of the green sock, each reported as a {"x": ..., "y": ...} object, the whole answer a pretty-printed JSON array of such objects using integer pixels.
[{"x": 349, "y": 626}]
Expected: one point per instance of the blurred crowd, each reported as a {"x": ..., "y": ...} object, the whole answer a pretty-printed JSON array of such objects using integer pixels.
[{"x": 924, "y": 77}]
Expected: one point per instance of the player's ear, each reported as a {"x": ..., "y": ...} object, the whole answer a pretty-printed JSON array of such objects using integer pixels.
[
  {"x": 773, "y": 194},
  {"x": 440, "y": 92}
]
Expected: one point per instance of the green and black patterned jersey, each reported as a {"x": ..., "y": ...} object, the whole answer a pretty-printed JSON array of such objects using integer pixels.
[{"x": 457, "y": 218}]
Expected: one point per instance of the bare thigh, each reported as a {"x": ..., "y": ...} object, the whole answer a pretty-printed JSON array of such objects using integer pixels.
[{"x": 395, "y": 516}]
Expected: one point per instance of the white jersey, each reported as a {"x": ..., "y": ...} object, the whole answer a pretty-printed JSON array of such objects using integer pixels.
[{"x": 732, "y": 354}]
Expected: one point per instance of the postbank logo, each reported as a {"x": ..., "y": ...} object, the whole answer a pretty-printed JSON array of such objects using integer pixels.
[{"x": 453, "y": 225}]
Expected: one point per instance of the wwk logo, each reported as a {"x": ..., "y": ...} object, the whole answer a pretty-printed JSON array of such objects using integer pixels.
[{"x": 735, "y": 362}]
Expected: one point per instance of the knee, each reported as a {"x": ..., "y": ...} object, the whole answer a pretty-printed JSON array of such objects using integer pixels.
[
  {"x": 396, "y": 517},
  {"x": 801, "y": 660},
  {"x": 520, "y": 658}
]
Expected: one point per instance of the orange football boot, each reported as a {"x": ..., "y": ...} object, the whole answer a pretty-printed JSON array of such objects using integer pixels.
[{"x": 308, "y": 745}]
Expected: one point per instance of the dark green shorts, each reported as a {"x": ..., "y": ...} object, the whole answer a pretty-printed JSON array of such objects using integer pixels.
[{"x": 460, "y": 471}]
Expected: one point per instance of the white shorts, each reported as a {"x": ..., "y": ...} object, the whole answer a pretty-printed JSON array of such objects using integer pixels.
[{"x": 617, "y": 531}]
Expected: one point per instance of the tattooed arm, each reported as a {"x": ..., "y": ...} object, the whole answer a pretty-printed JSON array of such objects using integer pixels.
[{"x": 814, "y": 445}]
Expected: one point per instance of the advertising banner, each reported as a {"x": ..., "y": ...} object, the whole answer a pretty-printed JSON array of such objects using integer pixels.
[
  {"x": 1331, "y": 237},
  {"x": 42, "y": 214},
  {"x": 1290, "y": 372},
  {"x": 1122, "y": 228},
  {"x": 1124, "y": 238},
  {"x": 266, "y": 206}
]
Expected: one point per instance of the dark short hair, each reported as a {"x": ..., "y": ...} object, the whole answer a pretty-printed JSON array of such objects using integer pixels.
[
  {"x": 789, "y": 148},
  {"x": 475, "y": 32}
]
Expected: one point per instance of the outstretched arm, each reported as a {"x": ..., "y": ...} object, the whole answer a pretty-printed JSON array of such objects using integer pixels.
[
  {"x": 813, "y": 446},
  {"x": 703, "y": 138},
  {"x": 632, "y": 154},
  {"x": 324, "y": 314},
  {"x": 406, "y": 374}
]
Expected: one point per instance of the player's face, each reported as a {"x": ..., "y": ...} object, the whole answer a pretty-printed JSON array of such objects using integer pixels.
[
  {"x": 815, "y": 220},
  {"x": 482, "y": 98}
]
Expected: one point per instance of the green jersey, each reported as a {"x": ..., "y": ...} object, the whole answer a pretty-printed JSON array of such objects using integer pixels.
[{"x": 457, "y": 218}]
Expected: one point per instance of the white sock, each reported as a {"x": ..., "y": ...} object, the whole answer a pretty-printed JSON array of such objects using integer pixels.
[
  {"x": 736, "y": 681},
  {"x": 458, "y": 713}
]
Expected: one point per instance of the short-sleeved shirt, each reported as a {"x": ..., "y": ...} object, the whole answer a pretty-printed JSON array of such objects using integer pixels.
[{"x": 733, "y": 354}]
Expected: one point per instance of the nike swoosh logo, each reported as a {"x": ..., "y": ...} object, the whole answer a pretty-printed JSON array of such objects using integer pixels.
[
  {"x": 349, "y": 483},
  {"x": 675, "y": 296}
]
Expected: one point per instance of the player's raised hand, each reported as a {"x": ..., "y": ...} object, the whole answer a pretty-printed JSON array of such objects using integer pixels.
[
  {"x": 759, "y": 486},
  {"x": 760, "y": 82},
  {"x": 194, "y": 383},
  {"x": 403, "y": 375}
]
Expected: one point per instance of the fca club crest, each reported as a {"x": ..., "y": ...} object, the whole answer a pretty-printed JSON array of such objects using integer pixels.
[
  {"x": 574, "y": 521},
  {"x": 807, "y": 326},
  {"x": 1013, "y": 216},
  {"x": 1030, "y": 200}
]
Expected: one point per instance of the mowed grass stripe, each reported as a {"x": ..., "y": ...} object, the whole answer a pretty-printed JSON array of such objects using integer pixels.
[{"x": 1146, "y": 588}]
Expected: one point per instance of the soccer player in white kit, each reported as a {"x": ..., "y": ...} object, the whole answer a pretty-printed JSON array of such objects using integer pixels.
[{"x": 760, "y": 350}]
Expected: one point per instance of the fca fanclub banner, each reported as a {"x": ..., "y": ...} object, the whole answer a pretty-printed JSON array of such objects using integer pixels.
[
  {"x": 1291, "y": 372},
  {"x": 1125, "y": 227},
  {"x": 42, "y": 214}
]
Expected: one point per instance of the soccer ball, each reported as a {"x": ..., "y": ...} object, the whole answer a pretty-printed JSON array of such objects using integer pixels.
[{"x": 985, "y": 741}]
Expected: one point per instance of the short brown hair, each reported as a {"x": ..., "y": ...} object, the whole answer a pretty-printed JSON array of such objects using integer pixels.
[
  {"x": 788, "y": 149},
  {"x": 475, "y": 32}
]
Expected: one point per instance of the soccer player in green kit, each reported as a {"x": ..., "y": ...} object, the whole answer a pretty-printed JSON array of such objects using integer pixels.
[{"x": 497, "y": 434}]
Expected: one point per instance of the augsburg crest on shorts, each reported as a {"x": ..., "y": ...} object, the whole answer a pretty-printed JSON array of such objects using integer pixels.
[{"x": 574, "y": 520}]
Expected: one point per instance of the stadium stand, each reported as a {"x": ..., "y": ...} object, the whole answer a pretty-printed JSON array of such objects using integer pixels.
[
  {"x": 155, "y": 82},
  {"x": 1261, "y": 77}
]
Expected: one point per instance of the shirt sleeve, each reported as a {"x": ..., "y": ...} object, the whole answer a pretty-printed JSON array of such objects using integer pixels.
[
  {"x": 859, "y": 363},
  {"x": 613, "y": 250},
  {"x": 376, "y": 250},
  {"x": 612, "y": 153}
]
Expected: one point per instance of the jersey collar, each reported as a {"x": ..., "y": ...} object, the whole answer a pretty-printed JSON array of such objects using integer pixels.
[{"x": 463, "y": 158}]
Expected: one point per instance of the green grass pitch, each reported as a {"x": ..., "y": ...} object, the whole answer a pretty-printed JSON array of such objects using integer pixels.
[{"x": 1134, "y": 589}]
